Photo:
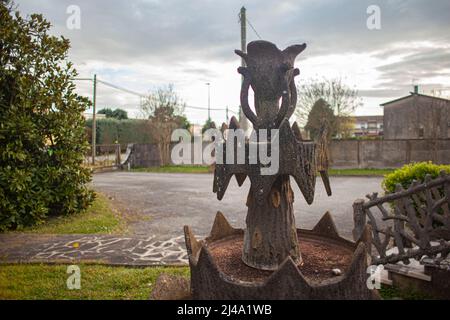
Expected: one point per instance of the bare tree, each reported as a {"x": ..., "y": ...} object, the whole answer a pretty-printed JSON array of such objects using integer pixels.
[
  {"x": 341, "y": 98},
  {"x": 164, "y": 109}
]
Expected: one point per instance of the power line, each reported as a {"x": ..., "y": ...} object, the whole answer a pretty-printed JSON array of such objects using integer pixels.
[
  {"x": 213, "y": 109},
  {"x": 201, "y": 108},
  {"x": 121, "y": 88},
  {"x": 253, "y": 28},
  {"x": 114, "y": 86}
]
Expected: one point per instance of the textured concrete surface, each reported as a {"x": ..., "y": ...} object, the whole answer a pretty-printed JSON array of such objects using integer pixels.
[{"x": 174, "y": 200}]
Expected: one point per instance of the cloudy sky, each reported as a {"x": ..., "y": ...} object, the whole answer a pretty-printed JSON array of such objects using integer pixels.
[{"x": 144, "y": 44}]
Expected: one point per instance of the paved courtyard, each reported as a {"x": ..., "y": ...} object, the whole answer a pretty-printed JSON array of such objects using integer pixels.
[
  {"x": 174, "y": 200},
  {"x": 163, "y": 204}
]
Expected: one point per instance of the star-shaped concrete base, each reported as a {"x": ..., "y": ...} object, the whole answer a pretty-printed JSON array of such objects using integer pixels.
[{"x": 288, "y": 282}]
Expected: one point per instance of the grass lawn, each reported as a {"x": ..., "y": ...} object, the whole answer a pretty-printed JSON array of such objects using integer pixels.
[
  {"x": 206, "y": 169},
  {"x": 97, "y": 282},
  {"x": 175, "y": 169},
  {"x": 39, "y": 281},
  {"x": 359, "y": 172},
  {"x": 100, "y": 218}
]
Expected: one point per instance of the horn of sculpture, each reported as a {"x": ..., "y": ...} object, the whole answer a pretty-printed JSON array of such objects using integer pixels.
[{"x": 270, "y": 72}]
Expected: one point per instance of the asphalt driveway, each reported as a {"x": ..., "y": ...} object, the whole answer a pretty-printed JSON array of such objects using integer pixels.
[{"x": 173, "y": 200}]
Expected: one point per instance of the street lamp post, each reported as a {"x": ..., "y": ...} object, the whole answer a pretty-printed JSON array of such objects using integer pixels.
[
  {"x": 94, "y": 124},
  {"x": 209, "y": 101}
]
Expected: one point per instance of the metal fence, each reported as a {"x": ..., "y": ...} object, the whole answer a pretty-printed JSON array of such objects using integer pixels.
[{"x": 106, "y": 156}]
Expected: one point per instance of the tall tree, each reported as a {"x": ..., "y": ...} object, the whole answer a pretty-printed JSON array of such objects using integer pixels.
[
  {"x": 164, "y": 109},
  {"x": 320, "y": 114},
  {"x": 342, "y": 99},
  {"x": 106, "y": 111},
  {"x": 209, "y": 124},
  {"x": 118, "y": 113},
  {"x": 42, "y": 138}
]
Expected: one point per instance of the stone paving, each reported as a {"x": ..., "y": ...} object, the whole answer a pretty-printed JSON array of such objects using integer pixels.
[{"x": 111, "y": 250}]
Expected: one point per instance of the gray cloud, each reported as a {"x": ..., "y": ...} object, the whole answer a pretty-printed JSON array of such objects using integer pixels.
[
  {"x": 382, "y": 93},
  {"x": 425, "y": 64},
  {"x": 397, "y": 78},
  {"x": 169, "y": 32}
]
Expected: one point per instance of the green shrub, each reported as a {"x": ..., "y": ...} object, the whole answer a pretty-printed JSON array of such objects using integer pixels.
[
  {"x": 410, "y": 172},
  {"x": 42, "y": 137},
  {"x": 415, "y": 171}
]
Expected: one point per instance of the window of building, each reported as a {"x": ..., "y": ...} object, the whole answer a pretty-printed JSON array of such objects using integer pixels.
[{"x": 372, "y": 125}]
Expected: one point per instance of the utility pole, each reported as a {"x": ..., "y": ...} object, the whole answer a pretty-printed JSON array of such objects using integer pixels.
[
  {"x": 226, "y": 111},
  {"x": 209, "y": 101},
  {"x": 94, "y": 125},
  {"x": 243, "y": 21}
]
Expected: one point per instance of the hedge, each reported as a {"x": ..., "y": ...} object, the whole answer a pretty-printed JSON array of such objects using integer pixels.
[
  {"x": 111, "y": 131},
  {"x": 410, "y": 172}
]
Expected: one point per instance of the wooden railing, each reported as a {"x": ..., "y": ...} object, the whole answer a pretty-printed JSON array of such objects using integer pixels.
[{"x": 415, "y": 220}]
